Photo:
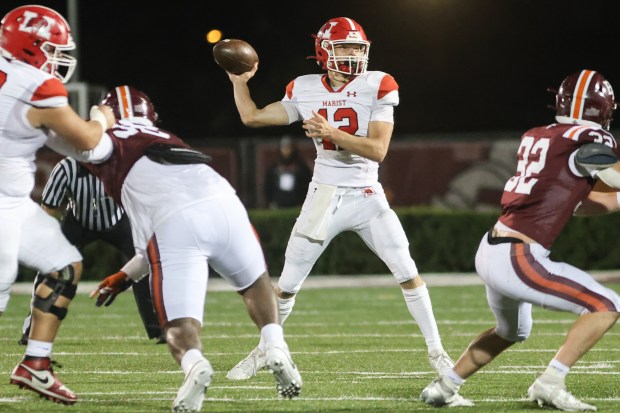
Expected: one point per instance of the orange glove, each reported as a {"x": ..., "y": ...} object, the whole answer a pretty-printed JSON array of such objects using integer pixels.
[{"x": 110, "y": 287}]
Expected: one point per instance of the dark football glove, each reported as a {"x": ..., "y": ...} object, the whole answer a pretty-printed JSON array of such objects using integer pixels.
[{"x": 110, "y": 287}]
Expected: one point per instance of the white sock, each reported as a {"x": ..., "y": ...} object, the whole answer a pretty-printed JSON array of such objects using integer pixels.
[
  {"x": 190, "y": 358},
  {"x": 38, "y": 348},
  {"x": 419, "y": 304},
  {"x": 455, "y": 378},
  {"x": 555, "y": 372},
  {"x": 285, "y": 306},
  {"x": 269, "y": 334}
]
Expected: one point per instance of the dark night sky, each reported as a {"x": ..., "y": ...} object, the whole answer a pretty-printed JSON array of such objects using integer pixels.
[{"x": 462, "y": 65}]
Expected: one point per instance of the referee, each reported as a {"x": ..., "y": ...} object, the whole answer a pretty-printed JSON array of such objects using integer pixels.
[{"x": 91, "y": 215}]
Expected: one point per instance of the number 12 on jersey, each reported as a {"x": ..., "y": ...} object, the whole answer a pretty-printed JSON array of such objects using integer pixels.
[
  {"x": 340, "y": 115},
  {"x": 532, "y": 158}
]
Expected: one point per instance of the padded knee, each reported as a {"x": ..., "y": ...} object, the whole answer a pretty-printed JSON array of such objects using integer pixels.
[{"x": 61, "y": 286}]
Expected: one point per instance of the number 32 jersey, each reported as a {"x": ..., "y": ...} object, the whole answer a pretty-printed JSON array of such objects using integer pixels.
[
  {"x": 366, "y": 98},
  {"x": 540, "y": 199}
]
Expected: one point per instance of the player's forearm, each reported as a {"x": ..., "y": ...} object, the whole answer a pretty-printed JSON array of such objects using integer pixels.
[
  {"x": 373, "y": 149},
  {"x": 273, "y": 114},
  {"x": 97, "y": 154},
  {"x": 245, "y": 105},
  {"x": 598, "y": 203}
]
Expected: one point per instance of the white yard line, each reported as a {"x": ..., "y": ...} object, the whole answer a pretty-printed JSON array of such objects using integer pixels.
[{"x": 344, "y": 281}]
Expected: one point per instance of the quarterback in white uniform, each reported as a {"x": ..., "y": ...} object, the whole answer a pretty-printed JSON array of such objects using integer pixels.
[
  {"x": 348, "y": 112},
  {"x": 33, "y": 101}
]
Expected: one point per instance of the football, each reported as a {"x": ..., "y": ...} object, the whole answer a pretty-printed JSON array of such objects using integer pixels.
[{"x": 235, "y": 56}]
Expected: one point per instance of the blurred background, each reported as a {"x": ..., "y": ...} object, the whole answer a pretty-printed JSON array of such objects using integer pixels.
[{"x": 473, "y": 77}]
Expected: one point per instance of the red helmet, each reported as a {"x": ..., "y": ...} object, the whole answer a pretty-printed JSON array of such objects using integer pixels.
[
  {"x": 38, "y": 36},
  {"x": 128, "y": 102},
  {"x": 338, "y": 31},
  {"x": 585, "y": 97}
]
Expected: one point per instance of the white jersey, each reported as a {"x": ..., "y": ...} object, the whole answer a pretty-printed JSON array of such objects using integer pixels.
[
  {"x": 368, "y": 97},
  {"x": 149, "y": 202},
  {"x": 21, "y": 87}
]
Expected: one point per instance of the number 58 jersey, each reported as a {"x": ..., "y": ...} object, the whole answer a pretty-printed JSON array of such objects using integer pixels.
[
  {"x": 540, "y": 198},
  {"x": 366, "y": 98}
]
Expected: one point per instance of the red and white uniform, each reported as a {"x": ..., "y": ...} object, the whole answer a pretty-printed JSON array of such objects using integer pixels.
[
  {"x": 29, "y": 235},
  {"x": 344, "y": 194},
  {"x": 538, "y": 202},
  {"x": 368, "y": 97},
  {"x": 183, "y": 219}
]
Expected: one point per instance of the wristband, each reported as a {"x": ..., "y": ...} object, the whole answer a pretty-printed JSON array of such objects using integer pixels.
[
  {"x": 136, "y": 268},
  {"x": 97, "y": 115}
]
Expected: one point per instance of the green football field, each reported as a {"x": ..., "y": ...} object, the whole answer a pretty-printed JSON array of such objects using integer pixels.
[{"x": 358, "y": 350}]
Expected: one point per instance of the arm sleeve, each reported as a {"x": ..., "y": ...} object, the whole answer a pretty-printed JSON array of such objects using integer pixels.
[
  {"x": 98, "y": 154},
  {"x": 289, "y": 106},
  {"x": 291, "y": 111},
  {"x": 49, "y": 94},
  {"x": 387, "y": 98}
]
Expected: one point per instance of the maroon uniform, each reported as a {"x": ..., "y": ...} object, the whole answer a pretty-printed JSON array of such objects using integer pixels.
[
  {"x": 131, "y": 140},
  {"x": 540, "y": 199}
]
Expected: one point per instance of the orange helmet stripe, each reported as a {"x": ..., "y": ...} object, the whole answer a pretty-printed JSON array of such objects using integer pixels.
[
  {"x": 124, "y": 102},
  {"x": 578, "y": 96}
]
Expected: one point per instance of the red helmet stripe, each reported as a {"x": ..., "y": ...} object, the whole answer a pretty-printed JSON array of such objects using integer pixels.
[
  {"x": 124, "y": 102},
  {"x": 579, "y": 96}
]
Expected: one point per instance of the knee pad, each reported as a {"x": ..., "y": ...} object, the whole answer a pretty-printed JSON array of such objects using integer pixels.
[{"x": 61, "y": 286}]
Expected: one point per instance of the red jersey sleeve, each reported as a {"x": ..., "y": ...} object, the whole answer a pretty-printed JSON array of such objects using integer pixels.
[{"x": 388, "y": 84}]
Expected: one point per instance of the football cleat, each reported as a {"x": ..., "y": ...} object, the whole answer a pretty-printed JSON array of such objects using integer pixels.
[
  {"x": 249, "y": 366},
  {"x": 440, "y": 393},
  {"x": 36, "y": 374},
  {"x": 440, "y": 361},
  {"x": 192, "y": 392},
  {"x": 280, "y": 363},
  {"x": 555, "y": 395}
]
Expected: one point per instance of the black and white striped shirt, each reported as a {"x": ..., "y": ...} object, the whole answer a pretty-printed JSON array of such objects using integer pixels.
[{"x": 92, "y": 208}]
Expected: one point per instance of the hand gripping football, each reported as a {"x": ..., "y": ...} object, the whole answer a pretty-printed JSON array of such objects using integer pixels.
[{"x": 235, "y": 56}]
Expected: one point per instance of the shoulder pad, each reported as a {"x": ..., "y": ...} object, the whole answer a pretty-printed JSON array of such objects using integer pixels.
[{"x": 596, "y": 154}]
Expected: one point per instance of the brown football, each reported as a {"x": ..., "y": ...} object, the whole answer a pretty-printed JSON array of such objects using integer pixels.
[{"x": 235, "y": 56}]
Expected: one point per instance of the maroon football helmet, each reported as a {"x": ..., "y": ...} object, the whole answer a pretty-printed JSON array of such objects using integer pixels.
[
  {"x": 339, "y": 31},
  {"x": 38, "y": 36},
  {"x": 585, "y": 97},
  {"x": 128, "y": 102}
]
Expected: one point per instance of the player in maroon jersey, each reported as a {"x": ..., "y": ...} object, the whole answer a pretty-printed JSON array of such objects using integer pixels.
[
  {"x": 558, "y": 167},
  {"x": 184, "y": 218}
]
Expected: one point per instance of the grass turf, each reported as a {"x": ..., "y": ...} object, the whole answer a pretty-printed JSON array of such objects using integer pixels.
[{"x": 358, "y": 350}]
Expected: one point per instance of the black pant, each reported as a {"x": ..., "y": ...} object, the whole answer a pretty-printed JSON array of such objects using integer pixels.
[{"x": 118, "y": 236}]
